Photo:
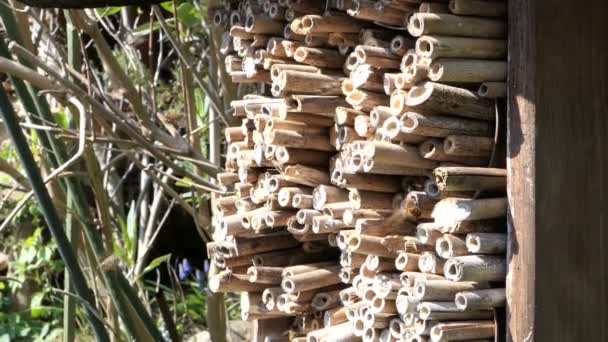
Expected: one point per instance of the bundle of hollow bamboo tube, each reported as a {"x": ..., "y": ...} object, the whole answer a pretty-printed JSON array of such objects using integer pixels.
[{"x": 364, "y": 207}]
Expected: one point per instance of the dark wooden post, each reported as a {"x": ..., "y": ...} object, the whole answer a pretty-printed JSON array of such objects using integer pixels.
[{"x": 558, "y": 162}]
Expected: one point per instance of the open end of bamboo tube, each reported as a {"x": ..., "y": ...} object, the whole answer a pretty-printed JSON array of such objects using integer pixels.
[
  {"x": 217, "y": 18},
  {"x": 422, "y": 234},
  {"x": 424, "y": 311},
  {"x": 483, "y": 90},
  {"x": 473, "y": 243},
  {"x": 249, "y": 23},
  {"x": 401, "y": 261},
  {"x": 416, "y": 26},
  {"x": 269, "y": 220},
  {"x": 436, "y": 71},
  {"x": 359, "y": 326},
  {"x": 307, "y": 23},
  {"x": 354, "y": 241},
  {"x": 396, "y": 328},
  {"x": 281, "y": 154},
  {"x": 257, "y": 260},
  {"x": 342, "y": 241},
  {"x": 378, "y": 304},
  {"x": 298, "y": 201},
  {"x": 355, "y": 97},
  {"x": 436, "y": 331},
  {"x": 336, "y": 177},
  {"x": 369, "y": 295},
  {"x": 419, "y": 290},
  {"x": 300, "y": 55},
  {"x": 443, "y": 248},
  {"x": 409, "y": 122},
  {"x": 396, "y": 103},
  {"x": 392, "y": 127},
  {"x": 401, "y": 81},
  {"x": 461, "y": 301},
  {"x": 343, "y": 135},
  {"x": 372, "y": 261},
  {"x": 448, "y": 145},
  {"x": 321, "y": 300},
  {"x": 235, "y": 18},
  {"x": 426, "y": 262},
  {"x": 360, "y": 54},
  {"x": 288, "y": 285},
  {"x": 351, "y": 62},
  {"x": 453, "y": 270},
  {"x": 424, "y": 46},
  {"x": 273, "y": 184},
  {"x": 396, "y": 44},
  {"x": 453, "y": 7},
  {"x": 369, "y": 334},
  {"x": 276, "y": 90},
  {"x": 347, "y": 87},
  {"x": 431, "y": 189},
  {"x": 273, "y": 11},
  {"x": 294, "y": 102},
  {"x": 408, "y": 59},
  {"x": 419, "y": 94}
]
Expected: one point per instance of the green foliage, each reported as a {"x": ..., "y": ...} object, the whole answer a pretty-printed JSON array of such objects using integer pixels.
[
  {"x": 154, "y": 264},
  {"x": 36, "y": 260},
  {"x": 108, "y": 11},
  {"x": 32, "y": 273}
]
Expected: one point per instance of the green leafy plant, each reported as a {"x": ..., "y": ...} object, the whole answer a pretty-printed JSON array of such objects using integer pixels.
[{"x": 32, "y": 275}]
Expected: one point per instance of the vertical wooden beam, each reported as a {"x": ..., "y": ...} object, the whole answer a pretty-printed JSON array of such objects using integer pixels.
[
  {"x": 521, "y": 165},
  {"x": 558, "y": 162}
]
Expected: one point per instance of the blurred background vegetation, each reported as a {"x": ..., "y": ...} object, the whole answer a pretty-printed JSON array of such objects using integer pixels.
[{"x": 121, "y": 109}]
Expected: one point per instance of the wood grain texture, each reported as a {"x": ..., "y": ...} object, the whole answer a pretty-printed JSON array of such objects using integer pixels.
[
  {"x": 572, "y": 138},
  {"x": 521, "y": 140},
  {"x": 557, "y": 148}
]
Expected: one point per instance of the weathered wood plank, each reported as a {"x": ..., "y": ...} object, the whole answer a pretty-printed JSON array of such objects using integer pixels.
[
  {"x": 521, "y": 153},
  {"x": 557, "y": 148}
]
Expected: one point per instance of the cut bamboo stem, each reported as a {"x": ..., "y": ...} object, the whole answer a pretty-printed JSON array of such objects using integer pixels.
[
  {"x": 481, "y": 299},
  {"x": 444, "y": 290},
  {"x": 442, "y": 126},
  {"x": 451, "y": 210},
  {"x": 454, "y": 25},
  {"x": 476, "y": 268},
  {"x": 467, "y": 70},
  {"x": 486, "y": 243},
  {"x": 458, "y": 47},
  {"x": 441, "y": 98},
  {"x": 467, "y": 146},
  {"x": 455, "y": 331},
  {"x": 311, "y": 280},
  {"x": 226, "y": 281},
  {"x": 479, "y": 8}
]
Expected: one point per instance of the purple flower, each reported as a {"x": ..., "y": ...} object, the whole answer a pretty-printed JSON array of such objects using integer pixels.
[{"x": 185, "y": 269}]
